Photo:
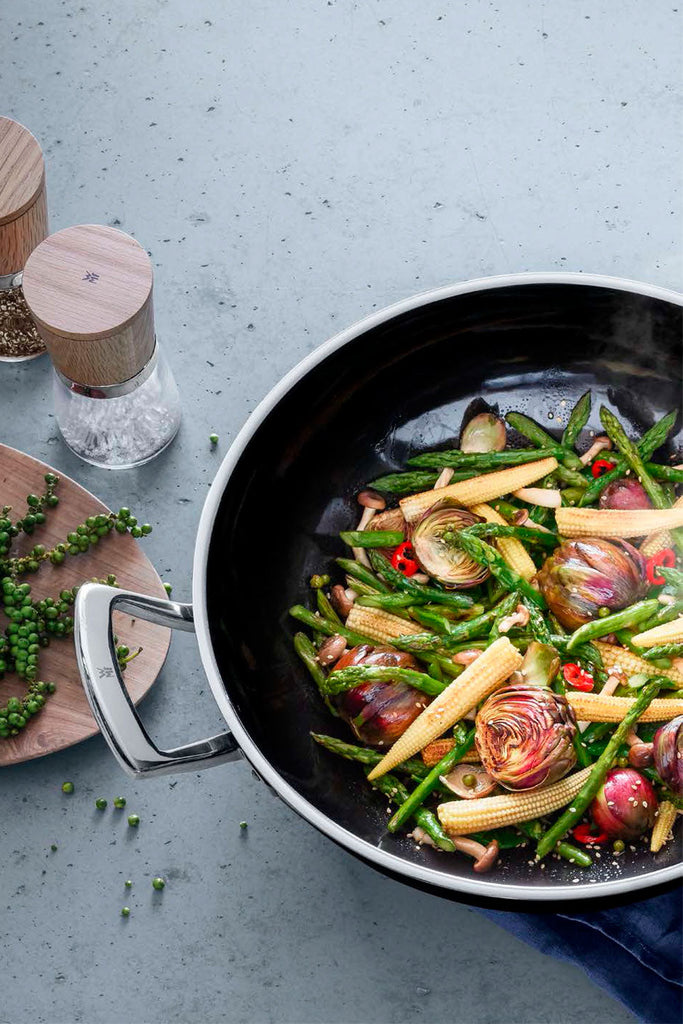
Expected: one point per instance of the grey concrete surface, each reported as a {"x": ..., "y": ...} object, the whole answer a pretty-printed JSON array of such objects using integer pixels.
[{"x": 292, "y": 167}]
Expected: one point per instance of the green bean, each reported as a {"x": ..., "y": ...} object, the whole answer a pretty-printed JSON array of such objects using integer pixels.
[
  {"x": 432, "y": 619},
  {"x": 404, "y": 483},
  {"x": 372, "y": 538},
  {"x": 364, "y": 755},
  {"x": 571, "y": 496},
  {"x": 505, "y": 508},
  {"x": 363, "y": 574},
  {"x": 397, "y": 792},
  {"x": 326, "y": 609},
  {"x": 420, "y": 794},
  {"x": 578, "y": 418},
  {"x": 340, "y": 680},
  {"x": 631, "y": 616},
  {"x": 632, "y": 456},
  {"x": 588, "y": 791},
  {"x": 481, "y": 461},
  {"x": 403, "y": 583},
  {"x": 538, "y": 436},
  {"x": 486, "y": 555},
  {"x": 574, "y": 481},
  {"x": 534, "y": 829}
]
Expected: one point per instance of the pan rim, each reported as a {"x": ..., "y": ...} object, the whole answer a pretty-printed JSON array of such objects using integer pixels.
[{"x": 383, "y": 859}]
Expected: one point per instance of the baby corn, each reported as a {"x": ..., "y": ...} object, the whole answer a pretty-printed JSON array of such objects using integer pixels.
[
  {"x": 595, "y": 707},
  {"x": 460, "y": 817},
  {"x": 609, "y": 522},
  {"x": 479, "y": 488},
  {"x": 380, "y": 625},
  {"x": 656, "y": 542},
  {"x": 664, "y": 822},
  {"x": 513, "y": 551},
  {"x": 433, "y": 753},
  {"x": 667, "y": 633},
  {"x": 478, "y": 680},
  {"x": 630, "y": 664}
]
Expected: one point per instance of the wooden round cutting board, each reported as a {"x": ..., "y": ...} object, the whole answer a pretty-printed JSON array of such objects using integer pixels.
[{"x": 66, "y": 718}]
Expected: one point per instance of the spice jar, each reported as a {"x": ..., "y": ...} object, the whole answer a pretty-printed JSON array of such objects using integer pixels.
[
  {"x": 89, "y": 289},
  {"x": 23, "y": 224}
]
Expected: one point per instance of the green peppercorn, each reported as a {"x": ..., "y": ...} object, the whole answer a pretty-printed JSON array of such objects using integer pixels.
[
  {"x": 100, "y": 803},
  {"x": 158, "y": 884},
  {"x": 168, "y": 588},
  {"x": 53, "y": 847},
  {"x": 618, "y": 845},
  {"x": 318, "y": 581},
  {"x": 128, "y": 884},
  {"x": 125, "y": 911},
  {"x": 67, "y": 787},
  {"x": 213, "y": 438},
  {"x": 133, "y": 820},
  {"x": 243, "y": 824},
  {"x": 119, "y": 802}
]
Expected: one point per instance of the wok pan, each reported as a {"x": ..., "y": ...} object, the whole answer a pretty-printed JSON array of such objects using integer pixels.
[{"x": 355, "y": 408}]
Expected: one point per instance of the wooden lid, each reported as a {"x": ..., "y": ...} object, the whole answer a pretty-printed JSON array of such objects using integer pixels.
[
  {"x": 22, "y": 170},
  {"x": 89, "y": 289}
]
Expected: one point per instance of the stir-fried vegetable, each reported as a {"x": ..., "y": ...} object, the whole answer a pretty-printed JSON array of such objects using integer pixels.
[{"x": 460, "y": 612}]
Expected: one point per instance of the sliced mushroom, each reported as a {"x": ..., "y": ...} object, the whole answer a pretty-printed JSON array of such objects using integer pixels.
[
  {"x": 466, "y": 657},
  {"x": 520, "y": 517},
  {"x": 340, "y": 602},
  {"x": 600, "y": 444},
  {"x": 444, "y": 478},
  {"x": 371, "y": 499},
  {"x": 331, "y": 650},
  {"x": 520, "y": 617},
  {"x": 469, "y": 781},
  {"x": 484, "y": 856},
  {"x": 547, "y": 497},
  {"x": 421, "y": 837}
]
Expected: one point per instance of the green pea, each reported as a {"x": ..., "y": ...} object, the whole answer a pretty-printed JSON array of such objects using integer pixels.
[
  {"x": 158, "y": 884},
  {"x": 133, "y": 820},
  {"x": 67, "y": 787},
  {"x": 100, "y": 803},
  {"x": 128, "y": 883},
  {"x": 125, "y": 911},
  {"x": 119, "y": 802}
]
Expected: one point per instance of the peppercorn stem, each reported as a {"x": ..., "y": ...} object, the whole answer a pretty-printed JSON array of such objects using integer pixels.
[{"x": 590, "y": 788}]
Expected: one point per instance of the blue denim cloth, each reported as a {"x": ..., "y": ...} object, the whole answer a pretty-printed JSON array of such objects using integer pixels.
[{"x": 634, "y": 952}]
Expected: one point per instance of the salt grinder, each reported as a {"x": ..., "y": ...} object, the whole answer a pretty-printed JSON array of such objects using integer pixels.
[
  {"x": 89, "y": 289},
  {"x": 23, "y": 220}
]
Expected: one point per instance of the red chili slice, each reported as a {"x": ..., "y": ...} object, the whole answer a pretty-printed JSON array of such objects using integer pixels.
[
  {"x": 667, "y": 558},
  {"x": 403, "y": 559},
  {"x": 584, "y": 835},
  {"x": 578, "y": 677},
  {"x": 601, "y": 466}
]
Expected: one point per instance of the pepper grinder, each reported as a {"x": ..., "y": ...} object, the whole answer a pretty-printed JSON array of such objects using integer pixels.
[
  {"x": 23, "y": 224},
  {"x": 89, "y": 290}
]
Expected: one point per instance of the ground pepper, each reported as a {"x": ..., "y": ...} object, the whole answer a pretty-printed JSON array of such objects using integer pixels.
[{"x": 19, "y": 338}]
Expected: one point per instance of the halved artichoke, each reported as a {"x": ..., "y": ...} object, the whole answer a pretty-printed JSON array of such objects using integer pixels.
[{"x": 436, "y": 549}]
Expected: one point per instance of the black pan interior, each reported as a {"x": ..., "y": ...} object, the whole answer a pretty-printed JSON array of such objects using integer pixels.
[{"x": 396, "y": 389}]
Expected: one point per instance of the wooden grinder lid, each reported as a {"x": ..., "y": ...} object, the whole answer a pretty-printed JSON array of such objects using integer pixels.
[
  {"x": 89, "y": 289},
  {"x": 23, "y": 206}
]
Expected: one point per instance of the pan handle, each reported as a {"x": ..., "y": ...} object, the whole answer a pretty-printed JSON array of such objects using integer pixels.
[{"x": 112, "y": 707}]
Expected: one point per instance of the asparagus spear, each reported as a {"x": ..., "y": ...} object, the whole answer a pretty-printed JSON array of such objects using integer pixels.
[
  {"x": 325, "y": 608},
  {"x": 403, "y": 583},
  {"x": 631, "y": 616},
  {"x": 573, "y": 854},
  {"x": 364, "y": 755},
  {"x": 539, "y": 627},
  {"x": 406, "y": 483},
  {"x": 632, "y": 456},
  {"x": 674, "y": 476},
  {"x": 546, "y": 539},
  {"x": 363, "y": 574},
  {"x": 484, "y": 554},
  {"x": 306, "y": 651},
  {"x": 537, "y": 435},
  {"x": 411, "y": 803},
  {"x": 372, "y": 538},
  {"x": 674, "y": 577},
  {"x": 397, "y": 792},
  {"x": 590, "y": 788},
  {"x": 662, "y": 651},
  {"x": 503, "y": 608},
  {"x": 321, "y": 625},
  {"x": 390, "y": 602},
  {"x": 578, "y": 419},
  {"x": 480, "y": 462},
  {"x": 343, "y": 679},
  {"x": 651, "y": 440}
]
